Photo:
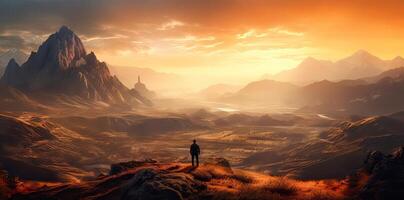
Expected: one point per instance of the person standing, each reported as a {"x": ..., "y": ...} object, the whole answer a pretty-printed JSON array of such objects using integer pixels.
[{"x": 195, "y": 151}]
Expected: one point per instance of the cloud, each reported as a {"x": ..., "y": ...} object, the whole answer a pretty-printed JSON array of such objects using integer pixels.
[
  {"x": 90, "y": 39},
  {"x": 8, "y": 41},
  {"x": 170, "y": 25},
  {"x": 247, "y": 34},
  {"x": 11, "y": 42},
  {"x": 286, "y": 32}
]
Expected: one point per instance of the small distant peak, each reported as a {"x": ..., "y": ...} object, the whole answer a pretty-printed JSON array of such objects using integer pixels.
[
  {"x": 91, "y": 58},
  {"x": 362, "y": 52},
  {"x": 324, "y": 81},
  {"x": 398, "y": 58},
  {"x": 309, "y": 59},
  {"x": 92, "y": 54}
]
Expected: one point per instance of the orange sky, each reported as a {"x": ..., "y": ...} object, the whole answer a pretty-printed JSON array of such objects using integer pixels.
[{"x": 241, "y": 39}]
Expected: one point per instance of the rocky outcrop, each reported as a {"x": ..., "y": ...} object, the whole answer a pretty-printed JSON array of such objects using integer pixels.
[
  {"x": 386, "y": 175},
  {"x": 154, "y": 185},
  {"x": 62, "y": 66}
]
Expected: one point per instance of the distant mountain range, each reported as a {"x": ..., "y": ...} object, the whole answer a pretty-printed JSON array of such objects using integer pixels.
[
  {"x": 5, "y": 57},
  {"x": 61, "y": 68},
  {"x": 359, "y": 65},
  {"x": 378, "y": 94}
]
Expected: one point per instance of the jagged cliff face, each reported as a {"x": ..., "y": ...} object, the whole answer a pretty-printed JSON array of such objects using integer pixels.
[{"x": 62, "y": 66}]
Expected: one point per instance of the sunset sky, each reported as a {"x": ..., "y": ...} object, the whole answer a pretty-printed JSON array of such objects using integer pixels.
[{"x": 241, "y": 39}]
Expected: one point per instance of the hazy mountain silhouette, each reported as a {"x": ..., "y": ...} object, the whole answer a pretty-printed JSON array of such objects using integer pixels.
[
  {"x": 379, "y": 94},
  {"x": 359, "y": 65},
  {"x": 396, "y": 73},
  {"x": 381, "y": 97},
  {"x": 61, "y": 66}
]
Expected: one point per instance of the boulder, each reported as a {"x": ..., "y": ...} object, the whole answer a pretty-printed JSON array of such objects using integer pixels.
[{"x": 150, "y": 184}]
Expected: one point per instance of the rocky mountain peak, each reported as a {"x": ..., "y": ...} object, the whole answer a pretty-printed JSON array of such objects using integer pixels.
[
  {"x": 362, "y": 53},
  {"x": 64, "y": 30},
  {"x": 62, "y": 66},
  {"x": 59, "y": 51},
  {"x": 68, "y": 46}
]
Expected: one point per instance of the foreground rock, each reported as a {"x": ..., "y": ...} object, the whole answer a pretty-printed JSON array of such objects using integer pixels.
[{"x": 153, "y": 184}]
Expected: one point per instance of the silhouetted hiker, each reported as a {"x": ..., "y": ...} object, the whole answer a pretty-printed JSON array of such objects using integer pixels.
[{"x": 195, "y": 151}]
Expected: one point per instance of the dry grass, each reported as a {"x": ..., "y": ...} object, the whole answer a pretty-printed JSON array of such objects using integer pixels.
[
  {"x": 244, "y": 187},
  {"x": 250, "y": 187},
  {"x": 281, "y": 186},
  {"x": 243, "y": 178}
]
